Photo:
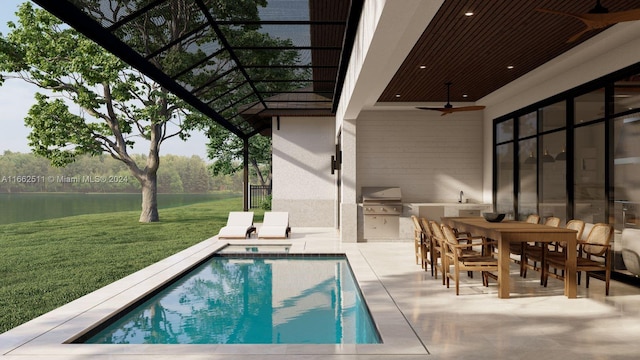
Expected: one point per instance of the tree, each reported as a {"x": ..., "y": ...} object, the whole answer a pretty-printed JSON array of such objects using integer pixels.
[
  {"x": 227, "y": 151},
  {"x": 118, "y": 105}
]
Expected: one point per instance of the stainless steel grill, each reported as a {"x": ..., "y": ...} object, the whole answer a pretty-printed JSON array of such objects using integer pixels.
[{"x": 382, "y": 207}]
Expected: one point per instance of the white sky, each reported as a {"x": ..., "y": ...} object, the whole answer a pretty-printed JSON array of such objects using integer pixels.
[{"x": 16, "y": 97}]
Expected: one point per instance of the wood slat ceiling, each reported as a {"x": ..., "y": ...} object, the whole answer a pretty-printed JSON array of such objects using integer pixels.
[{"x": 473, "y": 52}]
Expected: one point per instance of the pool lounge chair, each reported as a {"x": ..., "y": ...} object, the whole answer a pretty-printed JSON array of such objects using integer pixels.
[
  {"x": 275, "y": 225},
  {"x": 239, "y": 225}
]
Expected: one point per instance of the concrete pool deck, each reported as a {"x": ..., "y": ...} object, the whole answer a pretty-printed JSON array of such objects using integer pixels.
[{"x": 417, "y": 317}]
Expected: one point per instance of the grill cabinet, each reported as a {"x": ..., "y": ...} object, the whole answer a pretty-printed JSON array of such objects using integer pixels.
[{"x": 381, "y": 207}]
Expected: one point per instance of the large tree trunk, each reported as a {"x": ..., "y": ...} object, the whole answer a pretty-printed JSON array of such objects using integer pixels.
[{"x": 149, "y": 199}]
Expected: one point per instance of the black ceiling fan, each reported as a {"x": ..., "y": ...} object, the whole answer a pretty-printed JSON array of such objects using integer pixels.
[
  {"x": 597, "y": 18},
  {"x": 448, "y": 108}
]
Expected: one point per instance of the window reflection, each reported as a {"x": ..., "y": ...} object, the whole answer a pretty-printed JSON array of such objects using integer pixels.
[
  {"x": 527, "y": 195},
  {"x": 627, "y": 94},
  {"x": 504, "y": 195},
  {"x": 589, "y": 106},
  {"x": 552, "y": 177},
  {"x": 589, "y": 173},
  {"x": 554, "y": 116},
  {"x": 504, "y": 131},
  {"x": 528, "y": 125}
]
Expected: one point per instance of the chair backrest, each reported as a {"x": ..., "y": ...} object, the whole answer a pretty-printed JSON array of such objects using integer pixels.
[
  {"x": 436, "y": 230},
  {"x": 586, "y": 231},
  {"x": 416, "y": 224},
  {"x": 449, "y": 235},
  {"x": 533, "y": 219},
  {"x": 276, "y": 218},
  {"x": 600, "y": 234},
  {"x": 240, "y": 218},
  {"x": 577, "y": 225},
  {"x": 552, "y": 221},
  {"x": 425, "y": 227}
]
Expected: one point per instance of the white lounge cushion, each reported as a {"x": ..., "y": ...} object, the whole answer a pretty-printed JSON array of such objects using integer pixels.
[
  {"x": 239, "y": 225},
  {"x": 275, "y": 225}
]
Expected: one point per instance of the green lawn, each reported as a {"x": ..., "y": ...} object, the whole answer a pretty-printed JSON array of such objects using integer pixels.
[{"x": 45, "y": 264}]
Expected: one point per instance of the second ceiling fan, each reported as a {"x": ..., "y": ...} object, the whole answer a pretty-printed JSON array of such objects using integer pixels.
[
  {"x": 448, "y": 108},
  {"x": 597, "y": 18}
]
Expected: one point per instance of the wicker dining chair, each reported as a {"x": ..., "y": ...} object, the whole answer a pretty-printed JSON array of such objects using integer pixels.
[
  {"x": 594, "y": 254},
  {"x": 455, "y": 255},
  {"x": 533, "y": 254},
  {"x": 517, "y": 249}
]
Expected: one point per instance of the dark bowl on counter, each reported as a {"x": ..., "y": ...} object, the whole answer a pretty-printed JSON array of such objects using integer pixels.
[{"x": 493, "y": 217}]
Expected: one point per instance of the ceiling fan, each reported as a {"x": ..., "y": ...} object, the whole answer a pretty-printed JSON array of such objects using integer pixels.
[
  {"x": 597, "y": 18},
  {"x": 448, "y": 108}
]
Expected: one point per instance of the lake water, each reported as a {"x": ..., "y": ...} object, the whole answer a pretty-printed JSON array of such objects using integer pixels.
[{"x": 40, "y": 206}]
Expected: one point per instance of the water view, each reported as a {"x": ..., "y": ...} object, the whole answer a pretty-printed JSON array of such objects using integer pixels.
[{"x": 41, "y": 206}]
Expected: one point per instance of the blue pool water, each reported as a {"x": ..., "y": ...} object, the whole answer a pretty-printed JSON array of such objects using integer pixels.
[{"x": 251, "y": 300}]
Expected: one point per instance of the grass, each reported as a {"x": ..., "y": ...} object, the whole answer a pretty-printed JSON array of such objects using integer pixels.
[{"x": 45, "y": 264}]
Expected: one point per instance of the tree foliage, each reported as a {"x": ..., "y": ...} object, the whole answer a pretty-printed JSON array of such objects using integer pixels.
[
  {"x": 21, "y": 172},
  {"x": 117, "y": 105}
]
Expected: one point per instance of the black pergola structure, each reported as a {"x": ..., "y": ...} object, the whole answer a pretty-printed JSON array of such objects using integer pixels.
[{"x": 237, "y": 66}]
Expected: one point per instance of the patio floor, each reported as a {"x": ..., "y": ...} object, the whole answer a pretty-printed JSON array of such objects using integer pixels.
[{"x": 417, "y": 316}]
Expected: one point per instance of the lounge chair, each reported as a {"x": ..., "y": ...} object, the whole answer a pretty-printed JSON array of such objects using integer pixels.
[
  {"x": 239, "y": 225},
  {"x": 275, "y": 225}
]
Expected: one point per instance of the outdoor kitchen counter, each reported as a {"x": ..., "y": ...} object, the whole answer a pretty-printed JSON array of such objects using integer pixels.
[{"x": 435, "y": 211}]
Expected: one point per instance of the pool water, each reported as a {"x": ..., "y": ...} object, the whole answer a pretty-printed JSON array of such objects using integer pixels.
[{"x": 251, "y": 300}]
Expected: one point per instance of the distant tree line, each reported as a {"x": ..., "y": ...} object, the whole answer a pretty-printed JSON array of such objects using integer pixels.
[{"x": 20, "y": 172}]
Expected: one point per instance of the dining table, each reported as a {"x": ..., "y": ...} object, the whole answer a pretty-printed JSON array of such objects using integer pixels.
[{"x": 511, "y": 231}]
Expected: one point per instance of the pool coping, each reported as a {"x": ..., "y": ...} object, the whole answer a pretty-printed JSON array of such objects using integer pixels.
[{"x": 48, "y": 334}]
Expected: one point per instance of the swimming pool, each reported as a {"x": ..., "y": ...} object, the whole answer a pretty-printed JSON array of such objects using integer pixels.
[{"x": 244, "y": 299}]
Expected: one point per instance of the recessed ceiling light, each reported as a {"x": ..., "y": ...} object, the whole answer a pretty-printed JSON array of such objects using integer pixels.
[
  {"x": 465, "y": 95},
  {"x": 468, "y": 13},
  {"x": 423, "y": 66},
  {"x": 397, "y": 95},
  {"x": 510, "y": 67}
]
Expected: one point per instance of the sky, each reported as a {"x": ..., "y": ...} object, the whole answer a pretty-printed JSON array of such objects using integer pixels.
[{"x": 16, "y": 97}]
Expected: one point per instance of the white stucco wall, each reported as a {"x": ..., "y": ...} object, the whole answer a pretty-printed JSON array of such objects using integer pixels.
[
  {"x": 430, "y": 157},
  {"x": 303, "y": 184}
]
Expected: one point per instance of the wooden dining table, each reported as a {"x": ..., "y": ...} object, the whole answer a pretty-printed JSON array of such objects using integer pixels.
[{"x": 510, "y": 231}]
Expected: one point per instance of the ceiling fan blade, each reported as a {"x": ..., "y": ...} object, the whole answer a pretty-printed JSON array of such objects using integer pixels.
[
  {"x": 614, "y": 17},
  {"x": 578, "y": 35},
  {"x": 468, "y": 108},
  {"x": 431, "y": 108}
]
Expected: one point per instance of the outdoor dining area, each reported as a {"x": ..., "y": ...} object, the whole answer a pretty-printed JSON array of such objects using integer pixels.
[{"x": 489, "y": 245}]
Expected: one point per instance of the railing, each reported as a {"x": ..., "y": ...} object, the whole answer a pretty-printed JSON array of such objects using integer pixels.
[{"x": 258, "y": 194}]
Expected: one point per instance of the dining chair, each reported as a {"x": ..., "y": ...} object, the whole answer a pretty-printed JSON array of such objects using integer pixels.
[
  {"x": 535, "y": 252},
  {"x": 438, "y": 241},
  {"x": 517, "y": 249},
  {"x": 454, "y": 254},
  {"x": 594, "y": 254},
  {"x": 427, "y": 249},
  {"x": 417, "y": 239}
]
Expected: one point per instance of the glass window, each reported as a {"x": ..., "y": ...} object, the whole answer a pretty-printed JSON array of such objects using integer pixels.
[
  {"x": 625, "y": 94},
  {"x": 554, "y": 116},
  {"x": 589, "y": 106},
  {"x": 626, "y": 207},
  {"x": 504, "y": 131},
  {"x": 528, "y": 125},
  {"x": 552, "y": 176},
  {"x": 527, "y": 194},
  {"x": 589, "y": 173},
  {"x": 504, "y": 181}
]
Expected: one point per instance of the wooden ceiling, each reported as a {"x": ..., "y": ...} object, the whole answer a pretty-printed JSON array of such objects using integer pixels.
[{"x": 474, "y": 52}]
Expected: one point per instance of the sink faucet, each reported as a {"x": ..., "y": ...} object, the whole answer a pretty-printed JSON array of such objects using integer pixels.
[{"x": 461, "y": 194}]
